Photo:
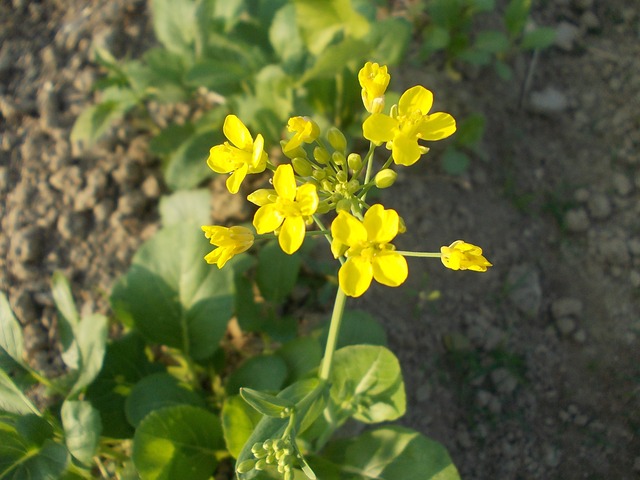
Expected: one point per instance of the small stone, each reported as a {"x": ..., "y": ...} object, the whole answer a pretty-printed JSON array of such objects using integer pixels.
[
  {"x": 580, "y": 336},
  {"x": 634, "y": 246},
  {"x": 27, "y": 244},
  {"x": 48, "y": 106},
  {"x": 551, "y": 456},
  {"x": 525, "y": 290},
  {"x": 622, "y": 184},
  {"x": 464, "y": 439},
  {"x": 132, "y": 203},
  {"x": 504, "y": 381},
  {"x": 599, "y": 206},
  {"x": 72, "y": 225},
  {"x": 566, "y": 36},
  {"x": 151, "y": 187},
  {"x": 590, "y": 22},
  {"x": 68, "y": 179},
  {"x": 548, "y": 101},
  {"x": 566, "y": 307},
  {"x": 128, "y": 173},
  {"x": 566, "y": 325},
  {"x": 103, "y": 210},
  {"x": 581, "y": 195},
  {"x": 581, "y": 420},
  {"x": 634, "y": 278}
]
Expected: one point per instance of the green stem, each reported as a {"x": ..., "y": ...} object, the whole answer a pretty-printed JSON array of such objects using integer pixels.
[
  {"x": 332, "y": 339},
  {"x": 419, "y": 254}
]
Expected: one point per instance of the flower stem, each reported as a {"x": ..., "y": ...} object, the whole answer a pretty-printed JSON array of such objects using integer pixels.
[
  {"x": 332, "y": 338},
  {"x": 420, "y": 254}
]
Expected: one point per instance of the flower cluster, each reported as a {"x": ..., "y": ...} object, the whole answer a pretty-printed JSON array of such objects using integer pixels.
[{"x": 322, "y": 176}]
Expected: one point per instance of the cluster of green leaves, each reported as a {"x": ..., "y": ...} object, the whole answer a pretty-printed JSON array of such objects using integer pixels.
[
  {"x": 261, "y": 59},
  {"x": 453, "y": 28},
  {"x": 162, "y": 401}
]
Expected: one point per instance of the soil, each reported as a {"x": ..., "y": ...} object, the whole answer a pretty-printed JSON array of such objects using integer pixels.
[{"x": 528, "y": 371}]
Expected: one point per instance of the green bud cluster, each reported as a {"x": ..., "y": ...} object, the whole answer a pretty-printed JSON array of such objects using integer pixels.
[{"x": 278, "y": 453}]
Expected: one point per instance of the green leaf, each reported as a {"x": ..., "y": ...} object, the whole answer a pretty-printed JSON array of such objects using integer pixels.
[
  {"x": 274, "y": 91},
  {"x": 491, "y": 41},
  {"x": 262, "y": 372},
  {"x": 11, "y": 340},
  {"x": 385, "y": 453},
  {"x": 391, "y": 37},
  {"x": 68, "y": 319},
  {"x": 174, "y": 23},
  {"x": 267, "y": 404},
  {"x": 170, "y": 138},
  {"x": 189, "y": 205},
  {"x": 455, "y": 162},
  {"x": 301, "y": 355},
  {"x": 177, "y": 442},
  {"x": 155, "y": 392},
  {"x": 515, "y": 16},
  {"x": 366, "y": 383},
  {"x": 172, "y": 296},
  {"x": 435, "y": 38},
  {"x": 91, "y": 338},
  {"x": 470, "y": 130},
  {"x": 239, "y": 420},
  {"x": 93, "y": 122},
  {"x": 357, "y": 327},
  {"x": 285, "y": 37},
  {"x": 349, "y": 53},
  {"x": 483, "y": 5},
  {"x": 125, "y": 363},
  {"x": 503, "y": 70},
  {"x": 82, "y": 428},
  {"x": 221, "y": 76},
  {"x": 33, "y": 428},
  {"x": 538, "y": 38},
  {"x": 320, "y": 21},
  {"x": 12, "y": 399},
  {"x": 19, "y": 460},
  {"x": 277, "y": 272},
  {"x": 187, "y": 165}
]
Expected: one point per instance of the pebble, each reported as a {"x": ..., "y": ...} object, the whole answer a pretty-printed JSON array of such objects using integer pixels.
[
  {"x": 548, "y": 101},
  {"x": 580, "y": 336},
  {"x": 127, "y": 174},
  {"x": 566, "y": 307},
  {"x": 27, "y": 245},
  {"x": 67, "y": 179},
  {"x": 622, "y": 184},
  {"x": 525, "y": 289},
  {"x": 634, "y": 278},
  {"x": 566, "y": 36},
  {"x": 599, "y": 206},
  {"x": 48, "y": 106},
  {"x": 590, "y": 22},
  {"x": 103, "y": 210},
  {"x": 151, "y": 187},
  {"x": 504, "y": 381},
  {"x": 566, "y": 325},
  {"x": 72, "y": 225},
  {"x": 132, "y": 203}
]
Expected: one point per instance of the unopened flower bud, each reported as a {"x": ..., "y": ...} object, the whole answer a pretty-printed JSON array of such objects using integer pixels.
[
  {"x": 385, "y": 178},
  {"x": 354, "y": 160},
  {"x": 321, "y": 155},
  {"x": 302, "y": 166},
  {"x": 394, "y": 111},
  {"x": 246, "y": 466},
  {"x": 338, "y": 158},
  {"x": 341, "y": 176},
  {"x": 261, "y": 464},
  {"x": 326, "y": 185},
  {"x": 319, "y": 174},
  {"x": 294, "y": 152},
  {"x": 344, "y": 204},
  {"x": 337, "y": 140},
  {"x": 353, "y": 186}
]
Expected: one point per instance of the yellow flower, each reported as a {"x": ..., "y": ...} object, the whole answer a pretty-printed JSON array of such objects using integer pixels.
[
  {"x": 306, "y": 130},
  {"x": 374, "y": 81},
  {"x": 464, "y": 256},
  {"x": 240, "y": 157},
  {"x": 368, "y": 251},
  {"x": 410, "y": 123},
  {"x": 230, "y": 241},
  {"x": 285, "y": 209}
]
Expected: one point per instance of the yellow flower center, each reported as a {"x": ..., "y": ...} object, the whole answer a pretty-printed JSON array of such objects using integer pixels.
[{"x": 288, "y": 208}]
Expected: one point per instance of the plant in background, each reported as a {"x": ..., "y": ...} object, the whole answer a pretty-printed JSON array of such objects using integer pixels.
[
  {"x": 453, "y": 29},
  {"x": 184, "y": 392},
  {"x": 262, "y": 59}
]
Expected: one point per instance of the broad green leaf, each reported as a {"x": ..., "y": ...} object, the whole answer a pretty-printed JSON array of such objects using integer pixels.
[
  {"x": 266, "y": 403},
  {"x": 174, "y": 24},
  {"x": 21, "y": 460},
  {"x": 177, "y": 442},
  {"x": 221, "y": 76},
  {"x": 357, "y": 327},
  {"x": 91, "y": 338},
  {"x": 538, "y": 38},
  {"x": 172, "y": 296},
  {"x": 470, "y": 130},
  {"x": 277, "y": 272},
  {"x": 391, "y": 37},
  {"x": 390, "y": 452},
  {"x": 187, "y": 166},
  {"x": 515, "y": 16},
  {"x": 11, "y": 340},
  {"x": 82, "y": 428},
  {"x": 12, "y": 399},
  {"x": 262, "y": 372},
  {"x": 239, "y": 420},
  {"x": 435, "y": 38},
  {"x": 483, "y": 5},
  {"x": 454, "y": 161},
  {"x": 249, "y": 313},
  {"x": 68, "y": 319},
  {"x": 301, "y": 355},
  {"x": 155, "y": 392},
  {"x": 93, "y": 122},
  {"x": 274, "y": 91},
  {"x": 335, "y": 58},
  {"x": 170, "y": 138},
  {"x": 285, "y": 37},
  {"x": 503, "y": 70},
  {"x": 366, "y": 383},
  {"x": 125, "y": 363},
  {"x": 491, "y": 41},
  {"x": 190, "y": 205},
  {"x": 320, "y": 21},
  {"x": 33, "y": 428}
]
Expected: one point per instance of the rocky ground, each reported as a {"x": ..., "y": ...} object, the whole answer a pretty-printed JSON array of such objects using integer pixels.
[{"x": 529, "y": 371}]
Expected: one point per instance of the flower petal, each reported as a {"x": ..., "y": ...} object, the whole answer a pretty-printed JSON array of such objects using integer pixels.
[
  {"x": 262, "y": 196},
  {"x": 307, "y": 199},
  {"x": 415, "y": 99},
  {"x": 237, "y": 133},
  {"x": 381, "y": 224},
  {"x": 258, "y": 156},
  {"x": 284, "y": 182},
  {"x": 291, "y": 234},
  {"x": 437, "y": 126},
  {"x": 221, "y": 159},
  {"x": 267, "y": 219},
  {"x": 355, "y": 276},
  {"x": 390, "y": 268},
  {"x": 405, "y": 150},
  {"x": 379, "y": 128},
  {"x": 236, "y": 178},
  {"x": 347, "y": 229}
]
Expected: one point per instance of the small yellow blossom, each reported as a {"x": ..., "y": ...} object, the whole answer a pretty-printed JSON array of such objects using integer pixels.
[
  {"x": 242, "y": 156},
  {"x": 368, "y": 251},
  {"x": 306, "y": 130},
  {"x": 230, "y": 241},
  {"x": 408, "y": 124},
  {"x": 464, "y": 256},
  {"x": 374, "y": 81},
  {"x": 285, "y": 209}
]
